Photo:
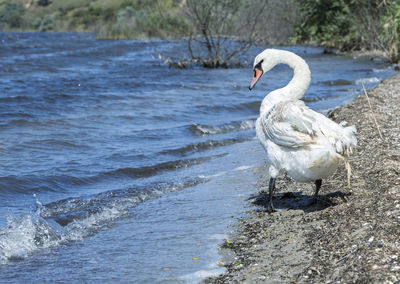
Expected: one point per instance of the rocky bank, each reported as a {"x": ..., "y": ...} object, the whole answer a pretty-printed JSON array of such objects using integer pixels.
[{"x": 353, "y": 234}]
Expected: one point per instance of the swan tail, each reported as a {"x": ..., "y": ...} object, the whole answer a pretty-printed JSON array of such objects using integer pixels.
[
  {"x": 347, "y": 141},
  {"x": 345, "y": 145}
]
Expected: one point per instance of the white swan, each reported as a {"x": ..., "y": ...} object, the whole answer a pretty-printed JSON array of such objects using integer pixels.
[{"x": 299, "y": 141}]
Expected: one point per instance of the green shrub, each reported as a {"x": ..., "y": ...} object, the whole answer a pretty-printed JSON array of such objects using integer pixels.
[
  {"x": 125, "y": 15},
  {"x": 325, "y": 20},
  {"x": 352, "y": 24},
  {"x": 44, "y": 24},
  {"x": 86, "y": 17},
  {"x": 390, "y": 36},
  {"x": 11, "y": 14},
  {"x": 36, "y": 23},
  {"x": 47, "y": 23},
  {"x": 138, "y": 19}
]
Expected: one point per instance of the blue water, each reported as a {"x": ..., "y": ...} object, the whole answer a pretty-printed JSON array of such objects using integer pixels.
[{"x": 116, "y": 168}]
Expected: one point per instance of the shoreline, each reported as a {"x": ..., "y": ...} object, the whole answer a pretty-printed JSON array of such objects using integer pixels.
[
  {"x": 374, "y": 54},
  {"x": 351, "y": 234}
]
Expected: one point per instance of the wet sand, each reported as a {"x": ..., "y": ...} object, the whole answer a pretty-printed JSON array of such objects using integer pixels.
[{"x": 352, "y": 235}]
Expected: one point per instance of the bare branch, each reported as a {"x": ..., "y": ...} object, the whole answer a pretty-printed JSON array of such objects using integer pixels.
[{"x": 228, "y": 28}]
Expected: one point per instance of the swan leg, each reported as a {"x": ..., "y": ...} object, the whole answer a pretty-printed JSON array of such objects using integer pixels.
[
  {"x": 318, "y": 184},
  {"x": 270, "y": 207}
]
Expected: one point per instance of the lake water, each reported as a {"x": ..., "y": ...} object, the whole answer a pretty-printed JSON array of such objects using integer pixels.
[{"x": 116, "y": 168}]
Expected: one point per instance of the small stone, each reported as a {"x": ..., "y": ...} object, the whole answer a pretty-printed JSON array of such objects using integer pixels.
[{"x": 395, "y": 268}]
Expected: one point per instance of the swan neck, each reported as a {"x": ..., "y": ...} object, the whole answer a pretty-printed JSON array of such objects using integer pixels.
[{"x": 296, "y": 88}]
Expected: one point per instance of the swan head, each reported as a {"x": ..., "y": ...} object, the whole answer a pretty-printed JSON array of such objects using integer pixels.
[{"x": 263, "y": 62}]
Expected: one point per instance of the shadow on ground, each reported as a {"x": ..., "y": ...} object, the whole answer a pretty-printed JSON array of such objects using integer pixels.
[{"x": 298, "y": 201}]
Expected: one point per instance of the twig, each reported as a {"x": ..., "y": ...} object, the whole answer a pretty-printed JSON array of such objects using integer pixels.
[
  {"x": 372, "y": 112},
  {"x": 348, "y": 168}
]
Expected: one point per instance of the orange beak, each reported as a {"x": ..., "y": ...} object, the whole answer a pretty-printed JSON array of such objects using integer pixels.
[{"x": 257, "y": 75}]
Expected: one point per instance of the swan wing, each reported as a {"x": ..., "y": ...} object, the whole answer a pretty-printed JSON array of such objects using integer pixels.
[
  {"x": 324, "y": 130},
  {"x": 290, "y": 124},
  {"x": 293, "y": 124}
]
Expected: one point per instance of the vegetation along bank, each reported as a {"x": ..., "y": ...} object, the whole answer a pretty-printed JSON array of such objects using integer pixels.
[{"x": 345, "y": 24}]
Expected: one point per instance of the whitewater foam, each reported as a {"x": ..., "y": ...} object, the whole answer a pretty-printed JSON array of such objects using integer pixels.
[
  {"x": 199, "y": 275},
  {"x": 242, "y": 168},
  {"x": 73, "y": 219},
  {"x": 25, "y": 234},
  {"x": 368, "y": 80}
]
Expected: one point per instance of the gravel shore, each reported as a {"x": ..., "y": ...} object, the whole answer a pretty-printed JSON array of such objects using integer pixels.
[{"x": 353, "y": 234}]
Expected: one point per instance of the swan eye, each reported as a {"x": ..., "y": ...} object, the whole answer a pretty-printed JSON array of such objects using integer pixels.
[{"x": 258, "y": 66}]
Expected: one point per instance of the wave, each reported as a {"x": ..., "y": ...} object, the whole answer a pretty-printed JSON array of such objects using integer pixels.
[
  {"x": 152, "y": 170},
  {"x": 53, "y": 144},
  {"x": 372, "y": 80},
  {"x": 203, "y": 146},
  {"x": 381, "y": 70},
  {"x": 253, "y": 106},
  {"x": 310, "y": 99},
  {"x": 338, "y": 82},
  {"x": 25, "y": 234},
  {"x": 59, "y": 183},
  {"x": 27, "y": 184},
  {"x": 201, "y": 129},
  {"x": 30, "y": 120},
  {"x": 16, "y": 99},
  {"x": 72, "y": 219},
  {"x": 18, "y": 115}
]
